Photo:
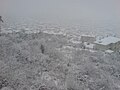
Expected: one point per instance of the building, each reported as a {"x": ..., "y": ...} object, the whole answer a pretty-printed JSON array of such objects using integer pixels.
[
  {"x": 108, "y": 43},
  {"x": 88, "y": 38}
]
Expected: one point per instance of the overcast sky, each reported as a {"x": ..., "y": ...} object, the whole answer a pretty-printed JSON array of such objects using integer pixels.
[{"x": 63, "y": 9}]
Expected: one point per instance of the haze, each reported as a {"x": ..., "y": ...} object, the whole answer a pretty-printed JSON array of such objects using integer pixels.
[{"x": 63, "y": 10}]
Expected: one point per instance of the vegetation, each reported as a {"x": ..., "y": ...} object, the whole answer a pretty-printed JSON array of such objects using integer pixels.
[{"x": 39, "y": 62}]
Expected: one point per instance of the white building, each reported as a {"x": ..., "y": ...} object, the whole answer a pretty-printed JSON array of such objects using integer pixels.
[
  {"x": 88, "y": 38},
  {"x": 108, "y": 43}
]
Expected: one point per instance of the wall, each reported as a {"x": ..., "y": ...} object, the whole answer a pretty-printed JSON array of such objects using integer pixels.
[
  {"x": 100, "y": 47},
  {"x": 112, "y": 46}
]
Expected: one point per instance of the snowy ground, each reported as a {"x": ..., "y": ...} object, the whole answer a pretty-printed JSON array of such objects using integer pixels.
[{"x": 62, "y": 66}]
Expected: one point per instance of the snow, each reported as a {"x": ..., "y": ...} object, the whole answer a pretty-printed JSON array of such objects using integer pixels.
[
  {"x": 6, "y": 88},
  {"x": 55, "y": 61},
  {"x": 87, "y": 35},
  {"x": 109, "y": 51},
  {"x": 92, "y": 51},
  {"x": 107, "y": 40},
  {"x": 7, "y": 31},
  {"x": 89, "y": 45},
  {"x": 27, "y": 29},
  {"x": 32, "y": 31},
  {"x": 75, "y": 42},
  {"x": 55, "y": 33}
]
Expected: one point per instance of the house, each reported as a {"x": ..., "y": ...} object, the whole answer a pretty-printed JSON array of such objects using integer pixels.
[
  {"x": 88, "y": 38},
  {"x": 108, "y": 43}
]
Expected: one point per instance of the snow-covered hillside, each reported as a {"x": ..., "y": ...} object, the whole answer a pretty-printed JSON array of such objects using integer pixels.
[{"x": 57, "y": 65}]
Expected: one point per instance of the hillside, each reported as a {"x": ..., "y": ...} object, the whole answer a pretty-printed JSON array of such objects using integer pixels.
[{"x": 42, "y": 61}]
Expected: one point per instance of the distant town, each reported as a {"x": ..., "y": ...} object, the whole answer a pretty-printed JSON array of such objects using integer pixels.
[{"x": 108, "y": 43}]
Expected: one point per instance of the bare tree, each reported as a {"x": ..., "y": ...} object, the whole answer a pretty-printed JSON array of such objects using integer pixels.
[
  {"x": 0, "y": 21},
  {"x": 42, "y": 49}
]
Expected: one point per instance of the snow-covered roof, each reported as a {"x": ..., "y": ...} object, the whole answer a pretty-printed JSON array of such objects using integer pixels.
[{"x": 107, "y": 40}]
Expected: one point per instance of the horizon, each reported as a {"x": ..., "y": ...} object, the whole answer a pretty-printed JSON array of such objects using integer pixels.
[{"x": 64, "y": 11}]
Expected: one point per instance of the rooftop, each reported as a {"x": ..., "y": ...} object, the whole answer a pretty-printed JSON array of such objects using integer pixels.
[{"x": 107, "y": 40}]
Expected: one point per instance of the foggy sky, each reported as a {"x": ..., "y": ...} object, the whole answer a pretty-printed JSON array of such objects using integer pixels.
[{"x": 71, "y": 10}]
